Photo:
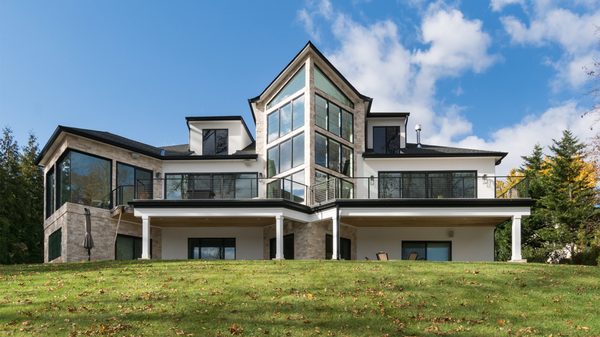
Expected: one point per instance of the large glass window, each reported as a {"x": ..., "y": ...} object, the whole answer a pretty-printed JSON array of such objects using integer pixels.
[
  {"x": 55, "y": 244},
  {"x": 285, "y": 119},
  {"x": 336, "y": 120},
  {"x": 427, "y": 250},
  {"x": 129, "y": 247},
  {"x": 427, "y": 184},
  {"x": 326, "y": 85},
  {"x": 211, "y": 248},
  {"x": 84, "y": 179},
  {"x": 285, "y": 155},
  {"x": 386, "y": 139},
  {"x": 215, "y": 142},
  {"x": 132, "y": 183},
  {"x": 333, "y": 155},
  {"x": 211, "y": 186},
  {"x": 291, "y": 187},
  {"x": 50, "y": 192},
  {"x": 296, "y": 83},
  {"x": 345, "y": 248}
]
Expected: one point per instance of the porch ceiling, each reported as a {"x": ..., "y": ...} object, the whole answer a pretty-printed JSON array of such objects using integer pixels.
[
  {"x": 211, "y": 222},
  {"x": 411, "y": 221}
]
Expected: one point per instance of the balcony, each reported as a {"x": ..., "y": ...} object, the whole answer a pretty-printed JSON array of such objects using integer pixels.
[{"x": 415, "y": 186}]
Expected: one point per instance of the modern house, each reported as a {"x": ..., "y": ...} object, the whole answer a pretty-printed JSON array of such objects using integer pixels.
[{"x": 324, "y": 178}]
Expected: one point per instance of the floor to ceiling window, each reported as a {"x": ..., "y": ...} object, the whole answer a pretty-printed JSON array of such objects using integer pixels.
[{"x": 84, "y": 179}]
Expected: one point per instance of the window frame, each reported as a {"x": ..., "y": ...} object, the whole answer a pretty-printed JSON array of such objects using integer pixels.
[
  {"x": 273, "y": 247},
  {"x": 50, "y": 192},
  {"x": 338, "y": 186},
  {"x": 351, "y": 106},
  {"x": 387, "y": 148},
  {"x": 134, "y": 238},
  {"x": 205, "y": 131},
  {"x": 57, "y": 181},
  {"x": 135, "y": 179},
  {"x": 328, "y": 155},
  {"x": 427, "y": 183},
  {"x": 329, "y": 252},
  {"x": 426, "y": 242},
  {"x": 328, "y": 103},
  {"x": 277, "y": 146},
  {"x": 288, "y": 179},
  {"x": 278, "y": 110},
  {"x": 183, "y": 174},
  {"x": 51, "y": 248},
  {"x": 221, "y": 247}
]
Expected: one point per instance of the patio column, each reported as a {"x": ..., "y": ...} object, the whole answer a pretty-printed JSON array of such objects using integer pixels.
[
  {"x": 279, "y": 237},
  {"x": 335, "y": 224},
  {"x": 145, "y": 238},
  {"x": 516, "y": 239}
]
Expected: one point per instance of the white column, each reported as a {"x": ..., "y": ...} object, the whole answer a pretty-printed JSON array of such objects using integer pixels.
[
  {"x": 516, "y": 239},
  {"x": 145, "y": 238},
  {"x": 335, "y": 224},
  {"x": 279, "y": 237}
]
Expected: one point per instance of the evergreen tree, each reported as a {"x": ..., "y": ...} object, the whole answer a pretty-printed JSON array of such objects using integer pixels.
[
  {"x": 568, "y": 204},
  {"x": 33, "y": 186},
  {"x": 10, "y": 196}
]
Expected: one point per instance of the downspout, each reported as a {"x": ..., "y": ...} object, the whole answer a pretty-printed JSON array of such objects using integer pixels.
[{"x": 117, "y": 231}]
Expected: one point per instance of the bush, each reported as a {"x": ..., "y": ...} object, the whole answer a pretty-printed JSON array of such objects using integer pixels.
[{"x": 588, "y": 256}]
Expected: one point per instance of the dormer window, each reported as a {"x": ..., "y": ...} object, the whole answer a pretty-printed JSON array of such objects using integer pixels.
[
  {"x": 386, "y": 139},
  {"x": 215, "y": 142}
]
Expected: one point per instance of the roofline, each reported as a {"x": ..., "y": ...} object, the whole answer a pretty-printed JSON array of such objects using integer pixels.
[
  {"x": 309, "y": 44},
  {"x": 435, "y": 155},
  {"x": 347, "y": 203},
  {"x": 220, "y": 118},
  {"x": 244, "y": 156},
  {"x": 387, "y": 114}
]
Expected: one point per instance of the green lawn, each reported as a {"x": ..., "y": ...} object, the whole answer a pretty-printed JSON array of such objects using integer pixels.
[{"x": 299, "y": 298}]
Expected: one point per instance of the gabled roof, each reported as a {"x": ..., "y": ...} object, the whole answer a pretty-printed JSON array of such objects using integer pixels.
[
  {"x": 219, "y": 118},
  {"x": 428, "y": 151},
  {"x": 311, "y": 46},
  {"x": 164, "y": 153}
]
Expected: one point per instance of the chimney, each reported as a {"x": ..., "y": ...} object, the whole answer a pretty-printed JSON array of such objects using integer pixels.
[{"x": 418, "y": 130}]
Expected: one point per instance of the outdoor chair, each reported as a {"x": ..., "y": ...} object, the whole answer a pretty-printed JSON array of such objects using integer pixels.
[{"x": 382, "y": 256}]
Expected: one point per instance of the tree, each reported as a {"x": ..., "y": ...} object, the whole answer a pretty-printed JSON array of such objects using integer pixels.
[{"x": 568, "y": 206}]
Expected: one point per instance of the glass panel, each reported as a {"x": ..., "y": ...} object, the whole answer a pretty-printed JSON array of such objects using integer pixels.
[
  {"x": 273, "y": 126},
  {"x": 320, "y": 150},
  {"x": 55, "y": 244},
  {"x": 274, "y": 189},
  {"x": 223, "y": 186},
  {"x": 379, "y": 139},
  {"x": 125, "y": 184},
  {"x": 334, "y": 119},
  {"x": 414, "y": 251},
  {"x": 245, "y": 186},
  {"x": 125, "y": 248},
  {"x": 64, "y": 180},
  {"x": 298, "y": 186},
  {"x": 208, "y": 142},
  {"x": 389, "y": 185},
  {"x": 347, "y": 189},
  {"x": 323, "y": 83},
  {"x": 285, "y": 156},
  {"x": 199, "y": 186},
  {"x": 347, "y": 126},
  {"x": 285, "y": 120},
  {"x": 174, "y": 186},
  {"x": 438, "y": 251},
  {"x": 50, "y": 192},
  {"x": 440, "y": 185},
  {"x": 333, "y": 155},
  {"x": 210, "y": 253},
  {"x": 298, "y": 150},
  {"x": 320, "y": 186},
  {"x": 287, "y": 188},
  {"x": 414, "y": 185},
  {"x": 464, "y": 184},
  {"x": 392, "y": 138},
  {"x": 229, "y": 253},
  {"x": 90, "y": 180},
  {"x": 290, "y": 88},
  {"x": 321, "y": 109},
  {"x": 221, "y": 142},
  {"x": 273, "y": 161},
  {"x": 298, "y": 114},
  {"x": 345, "y": 249},
  {"x": 346, "y": 163},
  {"x": 143, "y": 184}
]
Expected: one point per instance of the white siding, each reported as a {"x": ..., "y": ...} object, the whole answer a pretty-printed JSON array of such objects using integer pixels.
[
  {"x": 380, "y": 121},
  {"x": 248, "y": 241},
  {"x": 237, "y": 136},
  {"x": 468, "y": 243}
]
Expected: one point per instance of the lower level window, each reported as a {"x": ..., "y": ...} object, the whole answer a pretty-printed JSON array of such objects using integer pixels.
[
  {"x": 427, "y": 250},
  {"x": 55, "y": 244},
  {"x": 345, "y": 248},
  {"x": 288, "y": 247},
  {"x": 129, "y": 247},
  {"x": 211, "y": 248}
]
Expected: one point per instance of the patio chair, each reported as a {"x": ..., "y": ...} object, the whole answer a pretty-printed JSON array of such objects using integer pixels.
[
  {"x": 382, "y": 256},
  {"x": 413, "y": 256}
]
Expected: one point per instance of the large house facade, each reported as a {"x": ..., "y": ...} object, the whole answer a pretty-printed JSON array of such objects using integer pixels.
[{"x": 324, "y": 178}]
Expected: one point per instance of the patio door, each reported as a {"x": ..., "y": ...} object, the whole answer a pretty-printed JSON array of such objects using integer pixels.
[
  {"x": 288, "y": 247},
  {"x": 427, "y": 250}
]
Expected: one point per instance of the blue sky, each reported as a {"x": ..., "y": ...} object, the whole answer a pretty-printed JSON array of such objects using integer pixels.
[{"x": 500, "y": 75}]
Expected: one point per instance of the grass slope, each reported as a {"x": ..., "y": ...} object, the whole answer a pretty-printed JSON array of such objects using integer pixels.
[{"x": 299, "y": 298}]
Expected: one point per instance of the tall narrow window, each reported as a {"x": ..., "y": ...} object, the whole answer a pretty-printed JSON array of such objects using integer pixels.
[
  {"x": 214, "y": 142},
  {"x": 55, "y": 244},
  {"x": 298, "y": 150},
  {"x": 321, "y": 109},
  {"x": 334, "y": 119},
  {"x": 50, "y": 192},
  {"x": 333, "y": 155},
  {"x": 294, "y": 85},
  {"x": 298, "y": 112},
  {"x": 321, "y": 150}
]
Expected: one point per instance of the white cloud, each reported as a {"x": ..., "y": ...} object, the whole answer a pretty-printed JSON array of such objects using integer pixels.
[
  {"x": 498, "y": 5},
  {"x": 576, "y": 34}
]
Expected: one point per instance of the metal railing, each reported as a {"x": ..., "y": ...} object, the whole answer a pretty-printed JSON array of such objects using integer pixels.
[{"x": 419, "y": 186}]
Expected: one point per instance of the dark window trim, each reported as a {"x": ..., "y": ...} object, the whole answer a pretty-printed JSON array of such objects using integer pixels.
[
  {"x": 274, "y": 240},
  {"x": 135, "y": 168},
  {"x": 222, "y": 250},
  {"x": 215, "y": 149},
  {"x": 387, "y": 150},
  {"x": 211, "y": 179},
  {"x": 338, "y": 88},
  {"x": 278, "y": 112},
  {"x": 427, "y": 186},
  {"x": 278, "y": 146},
  {"x": 50, "y": 202},
  {"x": 426, "y": 242},
  {"x": 327, "y": 122},
  {"x": 340, "y": 156},
  {"x": 327, "y": 236},
  {"x": 59, "y": 252},
  {"x": 131, "y": 237},
  {"x": 300, "y": 67},
  {"x": 67, "y": 151}
]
